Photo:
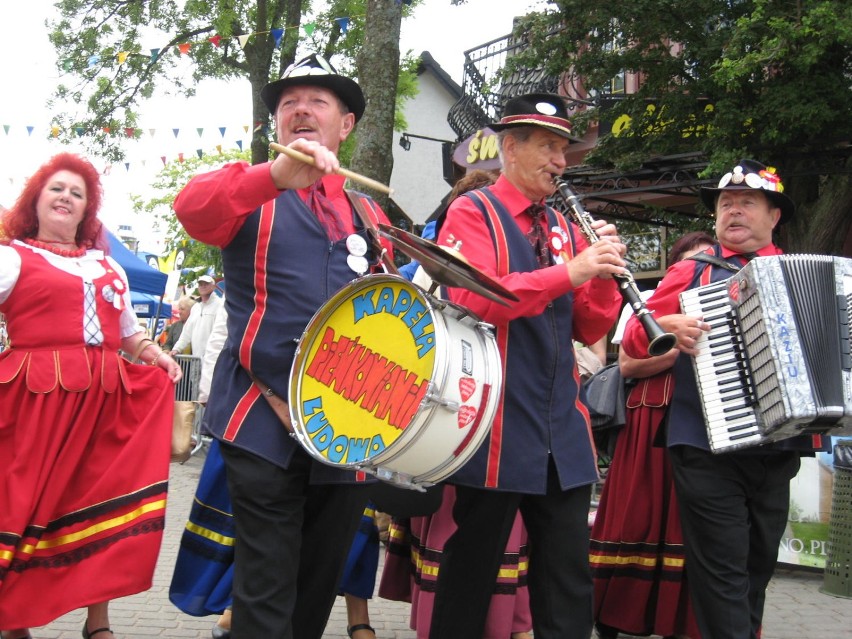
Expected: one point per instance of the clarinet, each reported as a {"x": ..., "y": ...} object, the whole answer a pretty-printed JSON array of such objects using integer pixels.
[{"x": 659, "y": 342}]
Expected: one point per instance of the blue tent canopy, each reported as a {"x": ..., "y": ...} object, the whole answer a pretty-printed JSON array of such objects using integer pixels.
[
  {"x": 141, "y": 277},
  {"x": 145, "y": 305}
]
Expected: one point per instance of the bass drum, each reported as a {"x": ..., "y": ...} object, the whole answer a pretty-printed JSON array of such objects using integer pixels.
[{"x": 391, "y": 381}]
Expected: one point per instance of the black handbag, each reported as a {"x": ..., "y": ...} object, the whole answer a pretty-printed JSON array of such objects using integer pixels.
[{"x": 605, "y": 397}]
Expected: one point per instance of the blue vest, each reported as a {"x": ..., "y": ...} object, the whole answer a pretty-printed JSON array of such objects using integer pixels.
[
  {"x": 280, "y": 268},
  {"x": 542, "y": 414},
  {"x": 685, "y": 419}
]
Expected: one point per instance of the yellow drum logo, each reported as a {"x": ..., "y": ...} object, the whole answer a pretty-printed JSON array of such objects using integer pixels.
[{"x": 368, "y": 366}]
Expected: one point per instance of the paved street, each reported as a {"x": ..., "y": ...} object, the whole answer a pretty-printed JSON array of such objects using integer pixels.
[{"x": 795, "y": 608}]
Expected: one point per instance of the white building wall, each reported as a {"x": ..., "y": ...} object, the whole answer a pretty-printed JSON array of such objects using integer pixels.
[{"x": 417, "y": 178}]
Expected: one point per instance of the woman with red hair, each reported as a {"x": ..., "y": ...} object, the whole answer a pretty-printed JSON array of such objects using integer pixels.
[{"x": 84, "y": 435}]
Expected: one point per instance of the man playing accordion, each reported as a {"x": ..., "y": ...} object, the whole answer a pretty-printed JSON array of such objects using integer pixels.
[{"x": 733, "y": 504}]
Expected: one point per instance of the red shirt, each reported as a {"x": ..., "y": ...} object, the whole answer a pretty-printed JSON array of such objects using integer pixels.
[
  {"x": 596, "y": 303},
  {"x": 666, "y": 300},
  {"x": 227, "y": 202}
]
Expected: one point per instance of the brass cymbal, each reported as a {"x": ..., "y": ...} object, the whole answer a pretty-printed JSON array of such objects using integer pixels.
[{"x": 445, "y": 266}]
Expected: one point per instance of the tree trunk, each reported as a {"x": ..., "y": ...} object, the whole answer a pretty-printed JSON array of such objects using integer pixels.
[
  {"x": 259, "y": 54},
  {"x": 378, "y": 74},
  {"x": 822, "y": 223}
]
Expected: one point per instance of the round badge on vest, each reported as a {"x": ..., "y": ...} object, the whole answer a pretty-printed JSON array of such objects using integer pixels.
[
  {"x": 358, "y": 263},
  {"x": 356, "y": 245}
]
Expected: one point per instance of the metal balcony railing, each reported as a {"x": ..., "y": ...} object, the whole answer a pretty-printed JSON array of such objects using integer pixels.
[{"x": 486, "y": 87}]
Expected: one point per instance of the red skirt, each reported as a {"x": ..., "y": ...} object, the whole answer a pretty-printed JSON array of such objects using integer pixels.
[
  {"x": 637, "y": 553},
  {"x": 83, "y": 479},
  {"x": 411, "y": 572}
]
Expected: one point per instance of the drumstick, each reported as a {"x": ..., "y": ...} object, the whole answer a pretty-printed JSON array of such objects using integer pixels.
[{"x": 307, "y": 159}]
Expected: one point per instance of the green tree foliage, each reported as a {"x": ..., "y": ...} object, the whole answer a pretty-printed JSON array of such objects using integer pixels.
[
  {"x": 168, "y": 183},
  {"x": 768, "y": 79},
  {"x": 109, "y": 76}
]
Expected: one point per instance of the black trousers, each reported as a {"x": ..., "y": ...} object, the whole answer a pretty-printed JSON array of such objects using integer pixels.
[
  {"x": 292, "y": 540},
  {"x": 733, "y": 510},
  {"x": 560, "y": 581}
]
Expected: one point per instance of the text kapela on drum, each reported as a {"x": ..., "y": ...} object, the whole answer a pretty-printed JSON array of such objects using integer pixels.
[{"x": 359, "y": 375}]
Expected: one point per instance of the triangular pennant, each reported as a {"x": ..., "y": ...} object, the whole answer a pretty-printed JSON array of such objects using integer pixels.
[
  {"x": 200, "y": 131},
  {"x": 180, "y": 158},
  {"x": 155, "y": 53},
  {"x": 343, "y": 23},
  {"x": 106, "y": 130},
  {"x": 6, "y": 128},
  {"x": 121, "y": 57},
  {"x": 246, "y": 128},
  {"x": 127, "y": 166},
  {"x": 199, "y": 152},
  {"x": 240, "y": 144},
  {"x": 176, "y": 131},
  {"x": 93, "y": 60},
  {"x": 30, "y": 130},
  {"x": 54, "y": 131},
  {"x": 79, "y": 130},
  {"x": 183, "y": 47},
  {"x": 219, "y": 148},
  {"x": 129, "y": 131},
  {"x": 222, "y": 131},
  {"x": 163, "y": 158},
  {"x": 243, "y": 40},
  {"x": 309, "y": 28},
  {"x": 67, "y": 65},
  {"x": 216, "y": 39},
  {"x": 151, "y": 132},
  {"x": 277, "y": 34},
  {"x": 107, "y": 169}
]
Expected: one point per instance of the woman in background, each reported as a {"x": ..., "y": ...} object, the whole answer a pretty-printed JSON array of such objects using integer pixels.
[{"x": 637, "y": 552}]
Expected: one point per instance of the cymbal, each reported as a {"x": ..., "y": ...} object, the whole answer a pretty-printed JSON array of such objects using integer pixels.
[{"x": 445, "y": 266}]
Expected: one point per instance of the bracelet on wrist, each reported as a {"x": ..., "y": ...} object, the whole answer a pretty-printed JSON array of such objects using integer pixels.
[{"x": 153, "y": 362}]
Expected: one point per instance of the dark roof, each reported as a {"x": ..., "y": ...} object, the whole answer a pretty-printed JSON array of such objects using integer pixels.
[{"x": 428, "y": 63}]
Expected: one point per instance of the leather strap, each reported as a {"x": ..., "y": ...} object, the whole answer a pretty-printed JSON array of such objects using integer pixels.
[
  {"x": 715, "y": 261},
  {"x": 278, "y": 405},
  {"x": 372, "y": 231}
]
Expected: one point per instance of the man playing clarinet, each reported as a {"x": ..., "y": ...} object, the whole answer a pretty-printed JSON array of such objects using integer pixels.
[
  {"x": 733, "y": 505},
  {"x": 539, "y": 455}
]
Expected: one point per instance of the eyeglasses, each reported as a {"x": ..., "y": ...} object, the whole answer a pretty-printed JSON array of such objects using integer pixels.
[{"x": 308, "y": 67}]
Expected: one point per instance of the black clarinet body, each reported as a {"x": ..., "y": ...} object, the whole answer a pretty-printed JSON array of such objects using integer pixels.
[{"x": 659, "y": 341}]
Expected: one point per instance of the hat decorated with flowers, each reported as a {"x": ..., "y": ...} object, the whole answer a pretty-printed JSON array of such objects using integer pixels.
[
  {"x": 751, "y": 174},
  {"x": 545, "y": 110}
]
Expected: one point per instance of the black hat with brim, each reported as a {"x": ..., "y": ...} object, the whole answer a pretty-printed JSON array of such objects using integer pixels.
[
  {"x": 752, "y": 175},
  {"x": 315, "y": 70},
  {"x": 544, "y": 110}
]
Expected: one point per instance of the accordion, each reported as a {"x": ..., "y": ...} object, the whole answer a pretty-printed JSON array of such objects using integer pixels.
[{"x": 776, "y": 362}]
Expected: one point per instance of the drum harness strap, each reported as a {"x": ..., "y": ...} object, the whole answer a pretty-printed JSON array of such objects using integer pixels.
[{"x": 278, "y": 405}]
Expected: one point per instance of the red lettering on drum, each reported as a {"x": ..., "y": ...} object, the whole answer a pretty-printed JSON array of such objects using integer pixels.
[{"x": 361, "y": 376}]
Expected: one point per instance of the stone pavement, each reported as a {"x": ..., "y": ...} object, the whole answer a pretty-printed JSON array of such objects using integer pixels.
[{"x": 795, "y": 609}]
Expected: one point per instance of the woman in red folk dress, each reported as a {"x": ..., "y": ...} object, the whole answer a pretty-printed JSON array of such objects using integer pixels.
[
  {"x": 637, "y": 551},
  {"x": 84, "y": 435}
]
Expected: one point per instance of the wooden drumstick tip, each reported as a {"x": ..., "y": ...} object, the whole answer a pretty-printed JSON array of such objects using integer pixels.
[{"x": 356, "y": 177}]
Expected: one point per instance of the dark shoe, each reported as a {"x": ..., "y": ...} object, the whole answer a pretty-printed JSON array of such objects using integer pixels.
[
  {"x": 89, "y": 635},
  {"x": 219, "y": 632},
  {"x": 26, "y": 636},
  {"x": 351, "y": 630}
]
